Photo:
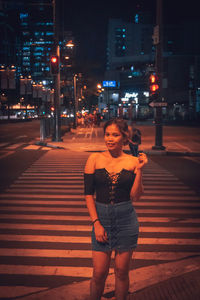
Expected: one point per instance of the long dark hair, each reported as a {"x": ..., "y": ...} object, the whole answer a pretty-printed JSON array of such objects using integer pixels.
[{"x": 122, "y": 126}]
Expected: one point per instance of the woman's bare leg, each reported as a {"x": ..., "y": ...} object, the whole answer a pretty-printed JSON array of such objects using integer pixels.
[
  {"x": 101, "y": 263},
  {"x": 122, "y": 265}
]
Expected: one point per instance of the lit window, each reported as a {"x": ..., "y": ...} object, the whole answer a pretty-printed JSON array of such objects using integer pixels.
[
  {"x": 136, "y": 19},
  {"x": 23, "y": 15}
]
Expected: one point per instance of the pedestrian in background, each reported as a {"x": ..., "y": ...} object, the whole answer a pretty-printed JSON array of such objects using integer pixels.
[
  {"x": 135, "y": 139},
  {"x": 116, "y": 178}
]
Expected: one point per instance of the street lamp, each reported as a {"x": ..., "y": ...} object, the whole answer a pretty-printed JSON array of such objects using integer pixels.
[{"x": 70, "y": 44}]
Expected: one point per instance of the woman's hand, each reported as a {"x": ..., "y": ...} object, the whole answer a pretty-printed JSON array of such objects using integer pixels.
[
  {"x": 100, "y": 233},
  {"x": 143, "y": 160}
]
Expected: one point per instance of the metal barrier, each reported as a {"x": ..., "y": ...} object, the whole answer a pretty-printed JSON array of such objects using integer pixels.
[{"x": 47, "y": 126}]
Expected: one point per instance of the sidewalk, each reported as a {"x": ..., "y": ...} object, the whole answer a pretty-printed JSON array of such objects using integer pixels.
[
  {"x": 78, "y": 140},
  {"x": 182, "y": 287}
]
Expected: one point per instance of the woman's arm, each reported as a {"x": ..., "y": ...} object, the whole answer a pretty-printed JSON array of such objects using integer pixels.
[
  {"x": 100, "y": 232},
  {"x": 137, "y": 189},
  {"x": 89, "y": 186}
]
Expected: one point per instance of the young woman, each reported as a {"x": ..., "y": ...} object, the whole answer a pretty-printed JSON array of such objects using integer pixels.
[{"x": 116, "y": 179}]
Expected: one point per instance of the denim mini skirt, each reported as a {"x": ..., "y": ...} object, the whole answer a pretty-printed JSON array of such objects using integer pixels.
[{"x": 121, "y": 224}]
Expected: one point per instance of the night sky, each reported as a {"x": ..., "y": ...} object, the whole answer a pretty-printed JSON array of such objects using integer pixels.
[{"x": 88, "y": 21}]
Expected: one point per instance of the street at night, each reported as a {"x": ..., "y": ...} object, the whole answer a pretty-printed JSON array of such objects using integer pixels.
[{"x": 99, "y": 150}]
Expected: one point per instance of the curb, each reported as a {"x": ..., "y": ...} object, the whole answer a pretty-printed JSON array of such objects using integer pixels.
[
  {"x": 44, "y": 144},
  {"x": 147, "y": 151}
]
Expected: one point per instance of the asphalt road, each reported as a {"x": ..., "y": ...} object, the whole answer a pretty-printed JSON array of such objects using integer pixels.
[
  {"x": 22, "y": 133},
  {"x": 34, "y": 209},
  {"x": 18, "y": 132}
]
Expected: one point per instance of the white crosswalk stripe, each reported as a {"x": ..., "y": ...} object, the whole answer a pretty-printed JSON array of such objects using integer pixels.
[
  {"x": 23, "y": 146},
  {"x": 45, "y": 226}
]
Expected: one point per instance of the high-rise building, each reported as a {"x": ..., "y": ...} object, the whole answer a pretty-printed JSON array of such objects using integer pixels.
[
  {"x": 36, "y": 27},
  {"x": 28, "y": 36},
  {"x": 129, "y": 53},
  {"x": 128, "y": 43}
]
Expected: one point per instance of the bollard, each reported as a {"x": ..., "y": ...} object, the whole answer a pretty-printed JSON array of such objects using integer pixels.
[{"x": 42, "y": 129}]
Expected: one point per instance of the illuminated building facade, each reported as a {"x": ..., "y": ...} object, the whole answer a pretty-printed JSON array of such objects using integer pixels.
[
  {"x": 129, "y": 54},
  {"x": 36, "y": 27},
  {"x": 131, "y": 59}
]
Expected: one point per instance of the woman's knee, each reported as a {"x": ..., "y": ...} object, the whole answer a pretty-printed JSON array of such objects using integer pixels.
[
  {"x": 121, "y": 274},
  {"x": 99, "y": 275}
]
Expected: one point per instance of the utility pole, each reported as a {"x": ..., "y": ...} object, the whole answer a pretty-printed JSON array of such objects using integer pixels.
[
  {"x": 75, "y": 102},
  {"x": 159, "y": 72},
  {"x": 56, "y": 80}
]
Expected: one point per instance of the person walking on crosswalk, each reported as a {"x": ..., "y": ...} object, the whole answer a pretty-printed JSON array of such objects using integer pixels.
[{"x": 116, "y": 178}]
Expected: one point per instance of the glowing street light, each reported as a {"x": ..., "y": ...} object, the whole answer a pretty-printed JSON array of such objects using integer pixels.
[{"x": 70, "y": 44}]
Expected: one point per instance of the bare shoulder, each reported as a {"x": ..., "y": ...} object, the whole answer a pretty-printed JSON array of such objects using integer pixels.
[
  {"x": 131, "y": 158},
  {"x": 91, "y": 163},
  {"x": 132, "y": 161}
]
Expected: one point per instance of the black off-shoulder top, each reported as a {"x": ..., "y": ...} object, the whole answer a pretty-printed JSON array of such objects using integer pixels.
[{"x": 109, "y": 187}]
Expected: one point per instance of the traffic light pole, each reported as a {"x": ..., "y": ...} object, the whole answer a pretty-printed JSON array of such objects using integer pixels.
[
  {"x": 57, "y": 120},
  {"x": 158, "y": 65},
  {"x": 56, "y": 78}
]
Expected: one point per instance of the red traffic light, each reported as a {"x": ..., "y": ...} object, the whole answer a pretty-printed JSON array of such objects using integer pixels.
[
  {"x": 152, "y": 78},
  {"x": 54, "y": 60},
  {"x": 153, "y": 84},
  {"x": 154, "y": 87}
]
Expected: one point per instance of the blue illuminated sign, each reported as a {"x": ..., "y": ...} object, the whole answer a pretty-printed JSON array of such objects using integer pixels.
[{"x": 109, "y": 83}]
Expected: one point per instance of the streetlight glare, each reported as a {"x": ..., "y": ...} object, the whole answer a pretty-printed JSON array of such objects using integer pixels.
[{"x": 70, "y": 44}]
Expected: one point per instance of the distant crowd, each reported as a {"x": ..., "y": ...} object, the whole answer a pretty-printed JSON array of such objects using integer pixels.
[{"x": 89, "y": 119}]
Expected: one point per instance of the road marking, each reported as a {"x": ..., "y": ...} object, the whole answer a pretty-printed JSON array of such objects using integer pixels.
[
  {"x": 36, "y": 186},
  {"x": 183, "y": 147},
  {"x": 87, "y": 218},
  {"x": 21, "y": 136},
  {"x": 88, "y": 254},
  {"x": 11, "y": 292},
  {"x": 73, "y": 184},
  {"x": 45, "y": 148},
  {"x": 81, "y": 196},
  {"x": 48, "y": 204},
  {"x": 83, "y": 203},
  {"x": 32, "y": 147},
  {"x": 3, "y": 155},
  {"x": 14, "y": 146},
  {"x": 86, "y": 228},
  {"x": 87, "y": 240},
  {"x": 179, "y": 211},
  {"x": 85, "y": 272},
  {"x": 194, "y": 159},
  {"x": 3, "y": 144},
  {"x": 46, "y": 176}
]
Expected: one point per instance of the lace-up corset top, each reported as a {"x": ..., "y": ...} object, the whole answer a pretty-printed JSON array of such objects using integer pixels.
[{"x": 113, "y": 187}]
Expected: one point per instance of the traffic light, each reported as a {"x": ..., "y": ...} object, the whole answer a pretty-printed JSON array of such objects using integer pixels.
[
  {"x": 153, "y": 87},
  {"x": 54, "y": 64}
]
